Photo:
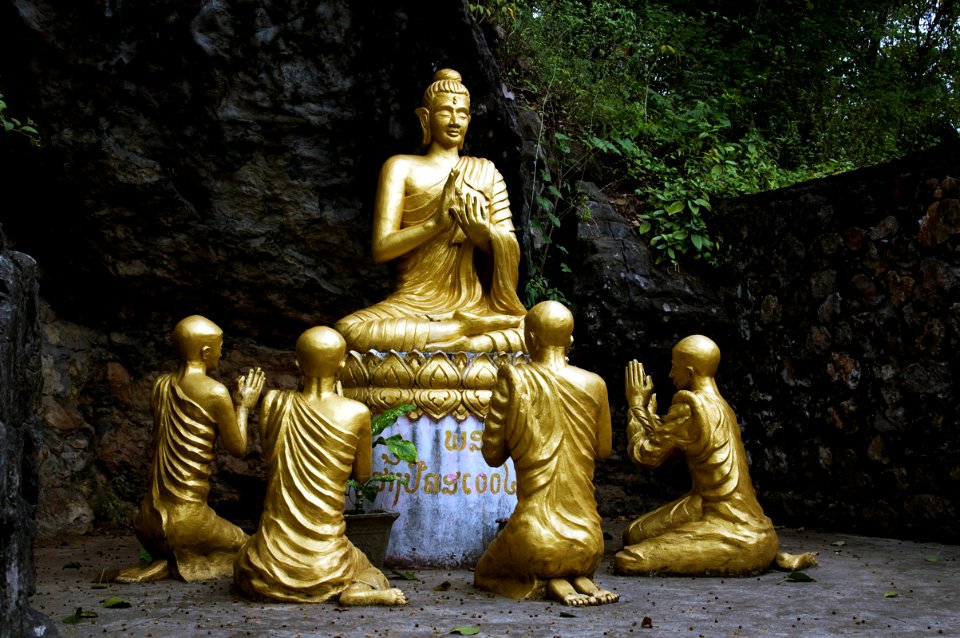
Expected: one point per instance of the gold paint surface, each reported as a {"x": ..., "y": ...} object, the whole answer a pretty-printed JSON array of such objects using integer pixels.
[
  {"x": 437, "y": 383},
  {"x": 553, "y": 420},
  {"x": 175, "y": 524},
  {"x": 719, "y": 526},
  {"x": 445, "y": 220},
  {"x": 313, "y": 440}
]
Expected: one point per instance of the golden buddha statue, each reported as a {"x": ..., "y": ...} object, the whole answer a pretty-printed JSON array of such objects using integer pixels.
[
  {"x": 446, "y": 220},
  {"x": 175, "y": 524},
  {"x": 313, "y": 441},
  {"x": 553, "y": 420},
  {"x": 718, "y": 528}
]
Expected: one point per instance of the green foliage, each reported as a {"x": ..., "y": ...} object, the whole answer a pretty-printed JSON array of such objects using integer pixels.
[
  {"x": 13, "y": 125},
  {"x": 557, "y": 200},
  {"x": 365, "y": 493},
  {"x": 685, "y": 104}
]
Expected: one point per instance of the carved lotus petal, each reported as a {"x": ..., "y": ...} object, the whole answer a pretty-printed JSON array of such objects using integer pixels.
[
  {"x": 439, "y": 373},
  {"x": 393, "y": 372}
]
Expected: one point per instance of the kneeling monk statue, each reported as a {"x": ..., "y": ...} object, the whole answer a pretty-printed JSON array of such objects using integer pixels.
[
  {"x": 719, "y": 527},
  {"x": 313, "y": 440},
  {"x": 446, "y": 221},
  {"x": 175, "y": 524},
  {"x": 553, "y": 420}
]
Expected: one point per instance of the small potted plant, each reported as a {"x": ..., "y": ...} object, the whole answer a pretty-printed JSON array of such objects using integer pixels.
[{"x": 367, "y": 528}]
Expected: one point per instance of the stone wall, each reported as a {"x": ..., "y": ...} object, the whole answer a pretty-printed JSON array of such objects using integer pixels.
[{"x": 843, "y": 369}]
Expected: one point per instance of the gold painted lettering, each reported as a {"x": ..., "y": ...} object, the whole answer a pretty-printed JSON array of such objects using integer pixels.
[
  {"x": 459, "y": 441},
  {"x": 495, "y": 480},
  {"x": 509, "y": 487},
  {"x": 414, "y": 485},
  {"x": 477, "y": 437},
  {"x": 481, "y": 487},
  {"x": 431, "y": 483},
  {"x": 452, "y": 482},
  {"x": 466, "y": 490}
]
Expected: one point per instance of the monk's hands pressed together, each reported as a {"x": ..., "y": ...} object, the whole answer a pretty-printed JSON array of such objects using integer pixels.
[{"x": 639, "y": 387}]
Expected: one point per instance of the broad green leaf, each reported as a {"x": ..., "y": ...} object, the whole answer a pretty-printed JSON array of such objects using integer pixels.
[
  {"x": 890, "y": 594},
  {"x": 675, "y": 207},
  {"x": 553, "y": 219},
  {"x": 799, "y": 577},
  {"x": 388, "y": 417},
  {"x": 567, "y": 614},
  {"x": 697, "y": 241},
  {"x": 466, "y": 630},
  {"x": 553, "y": 190},
  {"x": 115, "y": 602},
  {"x": 644, "y": 228},
  {"x": 403, "y": 449},
  {"x": 932, "y": 558}
]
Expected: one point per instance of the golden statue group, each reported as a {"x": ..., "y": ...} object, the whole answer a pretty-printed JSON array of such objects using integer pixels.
[{"x": 446, "y": 220}]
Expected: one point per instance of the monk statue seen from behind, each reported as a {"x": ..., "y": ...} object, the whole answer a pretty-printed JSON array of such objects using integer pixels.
[
  {"x": 718, "y": 528},
  {"x": 446, "y": 221},
  {"x": 190, "y": 409},
  {"x": 313, "y": 441},
  {"x": 553, "y": 420}
]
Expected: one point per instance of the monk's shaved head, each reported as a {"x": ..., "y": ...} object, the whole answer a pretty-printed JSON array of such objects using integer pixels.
[
  {"x": 191, "y": 334},
  {"x": 551, "y": 323},
  {"x": 320, "y": 351},
  {"x": 700, "y": 353}
]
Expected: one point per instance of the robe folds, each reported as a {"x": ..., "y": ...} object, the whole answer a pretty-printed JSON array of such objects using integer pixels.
[
  {"x": 447, "y": 273},
  {"x": 174, "y": 520},
  {"x": 300, "y": 552},
  {"x": 719, "y": 527},
  {"x": 548, "y": 426}
]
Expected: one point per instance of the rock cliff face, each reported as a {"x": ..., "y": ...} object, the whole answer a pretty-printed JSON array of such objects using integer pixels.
[
  {"x": 20, "y": 389},
  {"x": 221, "y": 158}
]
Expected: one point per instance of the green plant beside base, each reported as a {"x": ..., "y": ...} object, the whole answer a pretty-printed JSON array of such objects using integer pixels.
[{"x": 365, "y": 493}]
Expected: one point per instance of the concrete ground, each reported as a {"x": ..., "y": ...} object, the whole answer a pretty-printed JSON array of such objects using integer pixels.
[{"x": 863, "y": 587}]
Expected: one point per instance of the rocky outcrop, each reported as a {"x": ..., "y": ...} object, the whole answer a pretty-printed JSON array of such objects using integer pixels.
[{"x": 20, "y": 389}]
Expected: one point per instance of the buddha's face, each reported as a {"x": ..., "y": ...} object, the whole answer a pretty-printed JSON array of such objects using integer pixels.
[{"x": 449, "y": 118}]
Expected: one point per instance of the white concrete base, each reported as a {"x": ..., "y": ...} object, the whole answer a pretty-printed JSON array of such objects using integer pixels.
[{"x": 449, "y": 510}]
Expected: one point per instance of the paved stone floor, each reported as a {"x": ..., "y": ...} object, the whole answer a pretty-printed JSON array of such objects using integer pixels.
[{"x": 863, "y": 587}]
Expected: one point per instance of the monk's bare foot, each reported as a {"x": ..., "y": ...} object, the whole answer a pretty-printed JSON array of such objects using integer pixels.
[
  {"x": 354, "y": 596},
  {"x": 600, "y": 596},
  {"x": 793, "y": 562},
  {"x": 561, "y": 590},
  {"x": 157, "y": 570}
]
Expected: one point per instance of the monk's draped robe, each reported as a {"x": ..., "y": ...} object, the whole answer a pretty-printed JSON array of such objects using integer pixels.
[
  {"x": 300, "y": 552},
  {"x": 447, "y": 273},
  {"x": 719, "y": 527},
  {"x": 548, "y": 425},
  {"x": 174, "y": 520}
]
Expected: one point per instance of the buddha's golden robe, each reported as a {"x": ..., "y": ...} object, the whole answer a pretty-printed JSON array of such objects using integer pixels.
[
  {"x": 719, "y": 527},
  {"x": 548, "y": 425},
  {"x": 447, "y": 273},
  {"x": 300, "y": 552},
  {"x": 174, "y": 520}
]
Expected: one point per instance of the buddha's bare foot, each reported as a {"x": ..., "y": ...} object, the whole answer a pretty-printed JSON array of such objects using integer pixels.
[
  {"x": 157, "y": 570},
  {"x": 362, "y": 595},
  {"x": 600, "y": 596},
  {"x": 476, "y": 324}
]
